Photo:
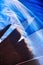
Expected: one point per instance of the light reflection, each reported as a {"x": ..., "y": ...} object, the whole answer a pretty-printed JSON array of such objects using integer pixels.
[
  {"x": 33, "y": 61},
  {"x": 34, "y": 41}
]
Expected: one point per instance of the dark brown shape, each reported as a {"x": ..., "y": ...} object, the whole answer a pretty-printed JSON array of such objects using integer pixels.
[{"x": 13, "y": 52}]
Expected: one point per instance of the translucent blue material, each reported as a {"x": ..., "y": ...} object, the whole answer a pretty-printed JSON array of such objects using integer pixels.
[
  {"x": 28, "y": 14},
  {"x": 36, "y": 6}
]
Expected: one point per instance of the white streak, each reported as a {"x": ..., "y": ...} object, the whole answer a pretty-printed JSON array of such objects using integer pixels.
[{"x": 30, "y": 60}]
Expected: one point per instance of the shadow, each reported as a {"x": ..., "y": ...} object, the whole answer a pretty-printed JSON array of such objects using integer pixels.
[{"x": 13, "y": 52}]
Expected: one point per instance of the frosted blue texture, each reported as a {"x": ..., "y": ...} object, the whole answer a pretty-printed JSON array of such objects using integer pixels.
[
  {"x": 11, "y": 13},
  {"x": 28, "y": 14}
]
